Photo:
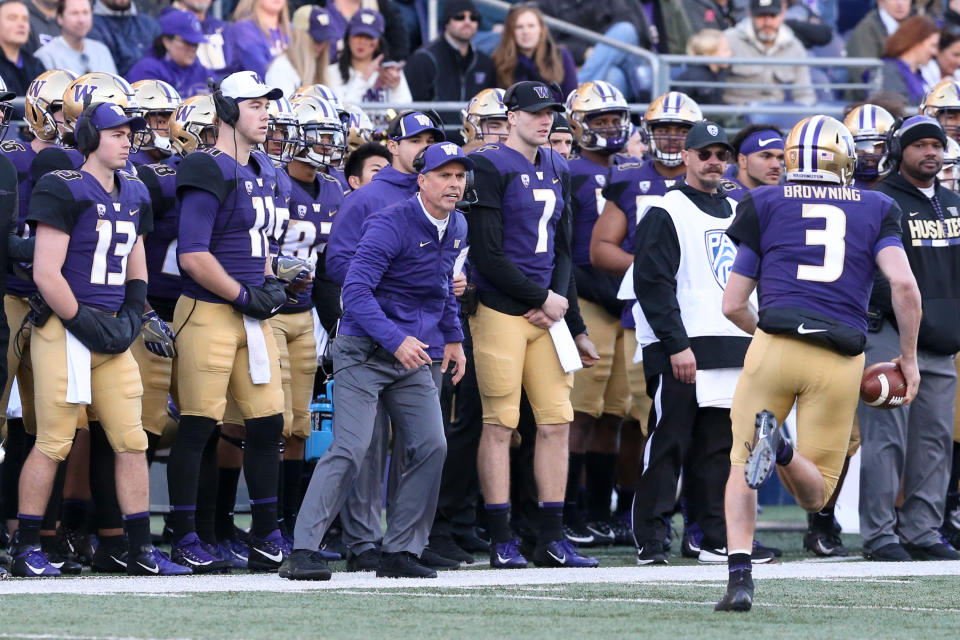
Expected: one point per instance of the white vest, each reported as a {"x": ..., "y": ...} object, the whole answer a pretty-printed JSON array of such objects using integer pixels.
[{"x": 706, "y": 259}]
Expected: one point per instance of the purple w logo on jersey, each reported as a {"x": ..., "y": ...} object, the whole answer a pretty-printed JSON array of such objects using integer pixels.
[{"x": 722, "y": 252}]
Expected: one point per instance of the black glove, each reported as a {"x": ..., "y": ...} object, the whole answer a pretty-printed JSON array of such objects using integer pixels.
[
  {"x": 102, "y": 332},
  {"x": 262, "y": 302}
]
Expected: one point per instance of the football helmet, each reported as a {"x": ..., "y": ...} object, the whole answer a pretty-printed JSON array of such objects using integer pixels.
[
  {"x": 869, "y": 126},
  {"x": 359, "y": 128},
  {"x": 283, "y": 132},
  {"x": 820, "y": 149},
  {"x": 950, "y": 172},
  {"x": 44, "y": 98},
  {"x": 100, "y": 86},
  {"x": 157, "y": 97},
  {"x": 672, "y": 107},
  {"x": 486, "y": 105},
  {"x": 591, "y": 99},
  {"x": 323, "y": 143},
  {"x": 324, "y": 92},
  {"x": 943, "y": 98},
  {"x": 194, "y": 125}
]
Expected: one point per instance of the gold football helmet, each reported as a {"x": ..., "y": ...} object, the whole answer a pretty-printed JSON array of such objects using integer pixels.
[
  {"x": 100, "y": 86},
  {"x": 592, "y": 99},
  {"x": 283, "y": 132},
  {"x": 359, "y": 127},
  {"x": 194, "y": 125},
  {"x": 943, "y": 103},
  {"x": 324, "y": 92},
  {"x": 820, "y": 149},
  {"x": 672, "y": 108},
  {"x": 323, "y": 143},
  {"x": 44, "y": 98},
  {"x": 486, "y": 105},
  {"x": 950, "y": 172},
  {"x": 869, "y": 126},
  {"x": 157, "y": 99}
]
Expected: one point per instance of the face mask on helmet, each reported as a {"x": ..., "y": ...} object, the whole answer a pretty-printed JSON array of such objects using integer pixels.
[
  {"x": 666, "y": 142},
  {"x": 870, "y": 151},
  {"x": 606, "y": 132},
  {"x": 324, "y": 146}
]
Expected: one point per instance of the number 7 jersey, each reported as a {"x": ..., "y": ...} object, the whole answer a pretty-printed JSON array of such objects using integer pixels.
[{"x": 817, "y": 246}]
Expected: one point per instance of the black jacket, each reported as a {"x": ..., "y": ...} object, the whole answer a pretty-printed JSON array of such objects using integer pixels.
[
  {"x": 19, "y": 78},
  {"x": 936, "y": 268},
  {"x": 437, "y": 71}
]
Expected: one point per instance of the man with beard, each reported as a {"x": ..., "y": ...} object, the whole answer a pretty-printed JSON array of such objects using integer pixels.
[{"x": 758, "y": 150}]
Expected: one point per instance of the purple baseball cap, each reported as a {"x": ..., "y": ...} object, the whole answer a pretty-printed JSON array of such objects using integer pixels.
[
  {"x": 108, "y": 115},
  {"x": 367, "y": 22},
  {"x": 183, "y": 24},
  {"x": 437, "y": 155}
]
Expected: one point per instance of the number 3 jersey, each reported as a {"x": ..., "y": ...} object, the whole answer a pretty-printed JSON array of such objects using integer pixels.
[
  {"x": 235, "y": 224},
  {"x": 813, "y": 250},
  {"x": 102, "y": 227}
]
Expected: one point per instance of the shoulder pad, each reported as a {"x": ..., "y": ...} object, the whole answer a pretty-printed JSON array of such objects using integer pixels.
[
  {"x": 213, "y": 151},
  {"x": 624, "y": 166},
  {"x": 327, "y": 177},
  {"x": 67, "y": 174},
  {"x": 130, "y": 176},
  {"x": 10, "y": 146},
  {"x": 160, "y": 169},
  {"x": 487, "y": 147},
  {"x": 729, "y": 185}
]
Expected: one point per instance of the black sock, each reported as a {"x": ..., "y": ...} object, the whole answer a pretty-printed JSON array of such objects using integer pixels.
[
  {"x": 551, "y": 522},
  {"x": 784, "y": 453},
  {"x": 54, "y": 504},
  {"x": 114, "y": 543},
  {"x": 574, "y": 469},
  {"x": 498, "y": 522},
  {"x": 292, "y": 472},
  {"x": 75, "y": 513},
  {"x": 29, "y": 528},
  {"x": 823, "y": 519},
  {"x": 103, "y": 483},
  {"x": 229, "y": 478},
  {"x": 137, "y": 527},
  {"x": 601, "y": 477},
  {"x": 16, "y": 448},
  {"x": 152, "y": 441},
  {"x": 261, "y": 462},
  {"x": 183, "y": 471},
  {"x": 738, "y": 562},
  {"x": 625, "y": 499},
  {"x": 207, "y": 492}
]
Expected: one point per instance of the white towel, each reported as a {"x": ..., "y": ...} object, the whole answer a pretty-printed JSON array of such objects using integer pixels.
[
  {"x": 78, "y": 371},
  {"x": 14, "y": 406},
  {"x": 715, "y": 387},
  {"x": 566, "y": 347},
  {"x": 257, "y": 351},
  {"x": 320, "y": 335},
  {"x": 625, "y": 292}
]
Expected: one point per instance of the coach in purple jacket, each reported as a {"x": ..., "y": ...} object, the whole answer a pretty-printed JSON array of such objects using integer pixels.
[{"x": 399, "y": 314}]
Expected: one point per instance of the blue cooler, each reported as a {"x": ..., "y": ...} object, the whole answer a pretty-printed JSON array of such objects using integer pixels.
[{"x": 321, "y": 422}]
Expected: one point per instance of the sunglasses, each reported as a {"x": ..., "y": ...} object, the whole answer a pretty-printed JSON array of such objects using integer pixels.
[
  {"x": 467, "y": 15},
  {"x": 723, "y": 155}
]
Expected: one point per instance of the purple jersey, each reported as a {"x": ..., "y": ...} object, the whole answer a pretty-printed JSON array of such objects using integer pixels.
[
  {"x": 587, "y": 180},
  {"x": 312, "y": 209},
  {"x": 817, "y": 248},
  {"x": 102, "y": 230},
  {"x": 160, "y": 245},
  {"x": 341, "y": 178},
  {"x": 734, "y": 189},
  {"x": 281, "y": 205},
  {"x": 530, "y": 198},
  {"x": 235, "y": 232}
]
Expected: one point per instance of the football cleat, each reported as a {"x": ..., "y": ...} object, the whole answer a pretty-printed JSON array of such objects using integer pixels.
[
  {"x": 80, "y": 544},
  {"x": 506, "y": 555},
  {"x": 692, "y": 538},
  {"x": 561, "y": 553},
  {"x": 222, "y": 565},
  {"x": 191, "y": 552},
  {"x": 762, "y": 551},
  {"x": 602, "y": 532},
  {"x": 577, "y": 533},
  {"x": 109, "y": 559},
  {"x": 303, "y": 564},
  {"x": 32, "y": 562},
  {"x": 234, "y": 551},
  {"x": 152, "y": 562},
  {"x": 446, "y": 547},
  {"x": 623, "y": 534},
  {"x": 739, "y": 596},
  {"x": 57, "y": 558},
  {"x": 266, "y": 554},
  {"x": 651, "y": 553},
  {"x": 763, "y": 455}
]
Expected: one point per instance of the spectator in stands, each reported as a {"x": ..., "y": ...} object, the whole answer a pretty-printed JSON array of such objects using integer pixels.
[
  {"x": 210, "y": 52},
  {"x": 669, "y": 25},
  {"x": 306, "y": 59},
  {"x": 527, "y": 51},
  {"x": 72, "y": 49},
  {"x": 365, "y": 71},
  {"x": 260, "y": 33},
  {"x": 713, "y": 14},
  {"x": 710, "y": 43},
  {"x": 951, "y": 15},
  {"x": 809, "y": 27},
  {"x": 763, "y": 35},
  {"x": 948, "y": 54},
  {"x": 17, "y": 67},
  {"x": 449, "y": 68},
  {"x": 870, "y": 34},
  {"x": 621, "y": 20},
  {"x": 904, "y": 54},
  {"x": 127, "y": 33},
  {"x": 341, "y": 11},
  {"x": 43, "y": 23},
  {"x": 174, "y": 55}
]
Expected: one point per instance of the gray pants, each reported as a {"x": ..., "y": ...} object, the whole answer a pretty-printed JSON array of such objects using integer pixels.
[
  {"x": 367, "y": 376},
  {"x": 912, "y": 444}
]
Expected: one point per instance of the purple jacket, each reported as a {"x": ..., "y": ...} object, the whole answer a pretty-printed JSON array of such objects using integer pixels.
[
  {"x": 400, "y": 282},
  {"x": 388, "y": 187},
  {"x": 249, "y": 49},
  {"x": 188, "y": 81}
]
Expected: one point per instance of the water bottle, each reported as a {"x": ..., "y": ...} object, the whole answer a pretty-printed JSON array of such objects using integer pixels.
[{"x": 321, "y": 425}]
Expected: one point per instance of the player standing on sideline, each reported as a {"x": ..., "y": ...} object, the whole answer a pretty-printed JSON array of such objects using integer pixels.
[
  {"x": 520, "y": 251},
  {"x": 758, "y": 157},
  {"x": 813, "y": 246},
  {"x": 484, "y": 120},
  {"x": 224, "y": 343},
  {"x": 89, "y": 267},
  {"x": 869, "y": 125}
]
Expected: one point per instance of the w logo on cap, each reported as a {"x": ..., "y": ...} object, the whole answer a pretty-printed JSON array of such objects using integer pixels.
[
  {"x": 422, "y": 120},
  {"x": 450, "y": 149},
  {"x": 541, "y": 92}
]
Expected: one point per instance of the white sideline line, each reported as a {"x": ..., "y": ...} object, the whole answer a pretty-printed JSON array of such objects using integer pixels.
[{"x": 167, "y": 586}]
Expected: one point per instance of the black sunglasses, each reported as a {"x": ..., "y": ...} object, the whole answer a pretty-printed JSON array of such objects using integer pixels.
[
  {"x": 467, "y": 15},
  {"x": 723, "y": 155}
]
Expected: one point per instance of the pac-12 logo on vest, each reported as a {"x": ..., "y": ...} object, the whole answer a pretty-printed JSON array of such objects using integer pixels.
[{"x": 722, "y": 252}]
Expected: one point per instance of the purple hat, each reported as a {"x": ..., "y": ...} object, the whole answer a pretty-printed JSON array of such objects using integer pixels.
[
  {"x": 107, "y": 115},
  {"x": 412, "y": 124},
  {"x": 367, "y": 22},
  {"x": 437, "y": 155},
  {"x": 183, "y": 24}
]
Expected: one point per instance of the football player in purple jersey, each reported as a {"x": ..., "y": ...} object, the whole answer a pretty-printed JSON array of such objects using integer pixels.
[{"x": 758, "y": 157}]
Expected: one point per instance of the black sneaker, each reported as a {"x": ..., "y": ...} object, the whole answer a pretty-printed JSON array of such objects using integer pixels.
[
  {"x": 825, "y": 544},
  {"x": 936, "y": 551},
  {"x": 108, "y": 559},
  {"x": 446, "y": 547},
  {"x": 623, "y": 534},
  {"x": 892, "y": 552},
  {"x": 303, "y": 564},
  {"x": 579, "y": 534},
  {"x": 651, "y": 553},
  {"x": 403, "y": 565},
  {"x": 602, "y": 532},
  {"x": 367, "y": 560},
  {"x": 432, "y": 559},
  {"x": 739, "y": 595},
  {"x": 763, "y": 454},
  {"x": 471, "y": 542}
]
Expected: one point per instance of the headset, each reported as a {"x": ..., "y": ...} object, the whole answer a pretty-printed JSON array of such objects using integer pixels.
[
  {"x": 393, "y": 129},
  {"x": 894, "y": 148},
  {"x": 86, "y": 134},
  {"x": 227, "y": 108}
]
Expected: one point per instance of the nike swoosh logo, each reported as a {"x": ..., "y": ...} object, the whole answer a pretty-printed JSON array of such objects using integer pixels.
[
  {"x": 134, "y": 212},
  {"x": 275, "y": 309},
  {"x": 803, "y": 330},
  {"x": 556, "y": 180},
  {"x": 914, "y": 213},
  {"x": 764, "y": 143},
  {"x": 560, "y": 559},
  {"x": 423, "y": 244},
  {"x": 197, "y": 564},
  {"x": 502, "y": 560},
  {"x": 33, "y": 569},
  {"x": 153, "y": 569},
  {"x": 118, "y": 561},
  {"x": 276, "y": 557}
]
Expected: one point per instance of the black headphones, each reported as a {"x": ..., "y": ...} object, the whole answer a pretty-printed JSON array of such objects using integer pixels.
[
  {"x": 894, "y": 148},
  {"x": 420, "y": 161},
  {"x": 393, "y": 129},
  {"x": 85, "y": 133},
  {"x": 227, "y": 108}
]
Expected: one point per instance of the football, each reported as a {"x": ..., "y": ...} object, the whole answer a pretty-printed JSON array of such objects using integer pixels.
[{"x": 883, "y": 385}]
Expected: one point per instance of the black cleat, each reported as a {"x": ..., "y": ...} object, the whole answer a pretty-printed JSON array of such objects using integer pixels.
[
  {"x": 109, "y": 559},
  {"x": 471, "y": 542},
  {"x": 739, "y": 595},
  {"x": 303, "y": 564},
  {"x": 403, "y": 565},
  {"x": 367, "y": 560}
]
